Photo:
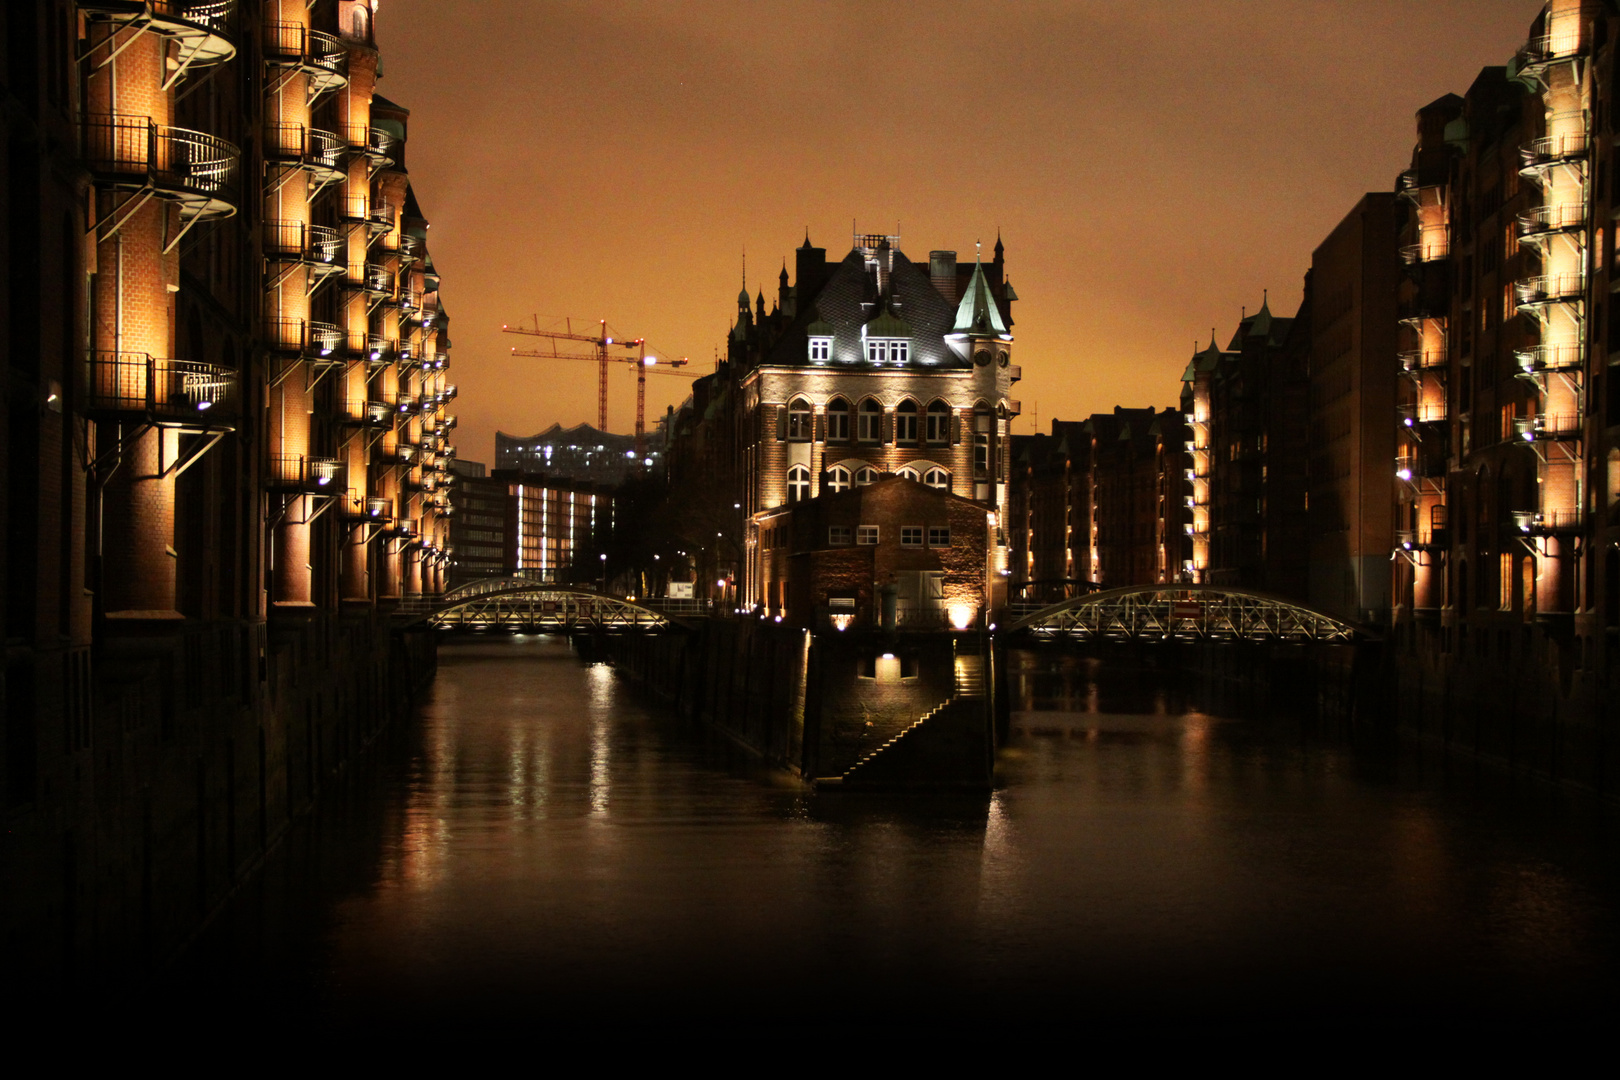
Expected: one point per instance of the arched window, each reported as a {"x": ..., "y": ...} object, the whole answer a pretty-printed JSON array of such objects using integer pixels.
[
  {"x": 938, "y": 427},
  {"x": 905, "y": 422},
  {"x": 798, "y": 484},
  {"x": 871, "y": 421},
  {"x": 838, "y": 420},
  {"x": 909, "y": 473},
  {"x": 937, "y": 478},
  {"x": 799, "y": 428},
  {"x": 865, "y": 475},
  {"x": 838, "y": 478}
]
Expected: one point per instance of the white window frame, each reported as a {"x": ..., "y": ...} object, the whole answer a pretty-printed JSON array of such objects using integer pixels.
[
  {"x": 937, "y": 478},
  {"x": 872, "y": 417},
  {"x": 838, "y": 422},
  {"x": 838, "y": 479},
  {"x": 798, "y": 484},
  {"x": 820, "y": 350},
  {"x": 865, "y": 475},
  {"x": 867, "y": 535},
  {"x": 885, "y": 350},
  {"x": 801, "y": 423},
  {"x": 902, "y": 436},
  {"x": 937, "y": 423},
  {"x": 911, "y": 536}
]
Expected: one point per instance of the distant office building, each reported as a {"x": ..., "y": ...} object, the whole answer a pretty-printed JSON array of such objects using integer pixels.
[
  {"x": 579, "y": 453},
  {"x": 515, "y": 523},
  {"x": 473, "y": 469}
]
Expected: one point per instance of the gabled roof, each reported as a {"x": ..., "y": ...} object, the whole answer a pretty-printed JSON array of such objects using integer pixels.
[{"x": 977, "y": 313}]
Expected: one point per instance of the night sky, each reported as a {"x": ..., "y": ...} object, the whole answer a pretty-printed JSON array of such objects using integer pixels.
[{"x": 1151, "y": 166}]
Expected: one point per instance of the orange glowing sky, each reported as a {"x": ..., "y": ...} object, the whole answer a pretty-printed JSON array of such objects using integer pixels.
[{"x": 1151, "y": 166}]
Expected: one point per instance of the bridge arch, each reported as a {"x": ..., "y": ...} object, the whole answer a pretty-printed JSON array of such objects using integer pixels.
[
  {"x": 1186, "y": 613},
  {"x": 525, "y": 605}
]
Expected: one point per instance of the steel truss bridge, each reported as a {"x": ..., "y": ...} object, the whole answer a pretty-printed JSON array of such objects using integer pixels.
[
  {"x": 523, "y": 605},
  {"x": 1185, "y": 613}
]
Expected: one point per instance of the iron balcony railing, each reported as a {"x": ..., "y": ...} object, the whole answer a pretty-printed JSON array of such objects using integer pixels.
[
  {"x": 381, "y": 216},
  {"x": 1549, "y": 357},
  {"x": 214, "y": 16},
  {"x": 1428, "y": 413},
  {"x": 320, "y": 56},
  {"x": 381, "y": 146},
  {"x": 379, "y": 280},
  {"x": 1552, "y": 150},
  {"x": 355, "y": 209},
  {"x": 300, "y": 472},
  {"x": 1549, "y": 288},
  {"x": 1431, "y": 249},
  {"x": 317, "y": 245},
  {"x": 1545, "y": 220},
  {"x": 201, "y": 171},
  {"x": 1567, "y": 519},
  {"x": 379, "y": 350},
  {"x": 1569, "y": 35},
  {"x": 316, "y": 340},
  {"x": 158, "y": 387},
  {"x": 1416, "y": 359},
  {"x": 1547, "y": 426},
  {"x": 378, "y": 414}
]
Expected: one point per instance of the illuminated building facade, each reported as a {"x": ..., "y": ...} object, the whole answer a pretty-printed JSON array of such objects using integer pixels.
[
  {"x": 226, "y": 434},
  {"x": 1244, "y": 487},
  {"x": 869, "y": 367},
  {"x": 1508, "y": 468},
  {"x": 1049, "y": 513}
]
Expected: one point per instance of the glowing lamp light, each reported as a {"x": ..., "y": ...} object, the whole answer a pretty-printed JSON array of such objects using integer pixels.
[
  {"x": 1529, "y": 436},
  {"x": 779, "y": 618},
  {"x": 888, "y": 656},
  {"x": 1403, "y": 474},
  {"x": 720, "y": 583},
  {"x": 843, "y": 622},
  {"x": 323, "y": 480},
  {"x": 962, "y": 615},
  {"x": 1408, "y": 421},
  {"x": 646, "y": 461},
  {"x": 201, "y": 405}
]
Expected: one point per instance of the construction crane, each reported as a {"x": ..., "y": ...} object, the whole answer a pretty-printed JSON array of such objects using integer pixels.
[{"x": 602, "y": 342}]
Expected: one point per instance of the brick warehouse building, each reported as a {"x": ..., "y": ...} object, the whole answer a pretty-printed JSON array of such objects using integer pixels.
[
  {"x": 865, "y": 368},
  {"x": 226, "y": 446}
]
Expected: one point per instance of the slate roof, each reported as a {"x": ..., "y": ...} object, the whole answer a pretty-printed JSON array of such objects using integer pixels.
[{"x": 849, "y": 300}]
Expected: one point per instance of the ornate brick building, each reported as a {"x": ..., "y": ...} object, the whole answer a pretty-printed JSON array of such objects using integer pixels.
[{"x": 865, "y": 368}]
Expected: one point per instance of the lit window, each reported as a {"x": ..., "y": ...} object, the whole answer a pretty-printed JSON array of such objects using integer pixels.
[
  {"x": 911, "y": 536},
  {"x": 939, "y": 536},
  {"x": 887, "y": 350},
  {"x": 907, "y": 472},
  {"x": 838, "y": 478},
  {"x": 866, "y": 535},
  {"x": 838, "y": 420},
  {"x": 839, "y": 535},
  {"x": 799, "y": 428},
  {"x": 871, "y": 421},
  {"x": 820, "y": 349},
  {"x": 798, "y": 484},
  {"x": 865, "y": 475},
  {"x": 905, "y": 422},
  {"x": 938, "y": 478}
]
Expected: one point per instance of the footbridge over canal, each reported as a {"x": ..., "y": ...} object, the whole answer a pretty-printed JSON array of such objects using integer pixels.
[
  {"x": 523, "y": 605},
  {"x": 1184, "y": 613}
]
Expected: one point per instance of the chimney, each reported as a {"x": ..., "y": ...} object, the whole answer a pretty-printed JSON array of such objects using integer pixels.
[{"x": 942, "y": 272}]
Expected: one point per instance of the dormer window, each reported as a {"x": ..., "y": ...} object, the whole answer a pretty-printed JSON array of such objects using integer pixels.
[
  {"x": 820, "y": 350},
  {"x": 887, "y": 350}
]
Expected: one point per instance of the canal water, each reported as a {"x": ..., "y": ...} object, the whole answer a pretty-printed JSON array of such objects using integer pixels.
[{"x": 546, "y": 843}]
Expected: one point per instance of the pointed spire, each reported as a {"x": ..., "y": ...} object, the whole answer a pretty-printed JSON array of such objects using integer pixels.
[
  {"x": 977, "y": 313},
  {"x": 806, "y": 245},
  {"x": 1000, "y": 251}
]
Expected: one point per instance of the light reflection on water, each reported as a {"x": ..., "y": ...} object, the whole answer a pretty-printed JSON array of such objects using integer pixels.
[{"x": 551, "y": 841}]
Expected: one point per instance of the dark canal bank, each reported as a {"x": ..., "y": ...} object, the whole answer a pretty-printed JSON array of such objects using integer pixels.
[{"x": 546, "y": 843}]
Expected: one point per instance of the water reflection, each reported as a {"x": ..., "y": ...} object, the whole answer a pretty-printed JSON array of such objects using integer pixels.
[{"x": 551, "y": 844}]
